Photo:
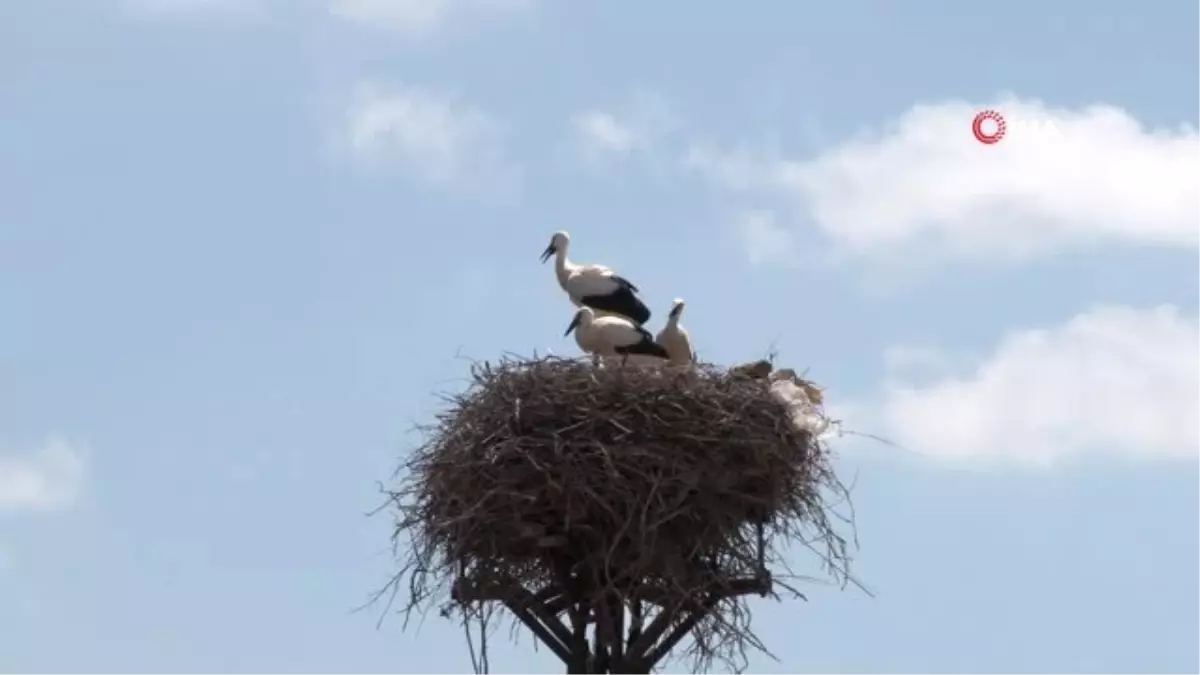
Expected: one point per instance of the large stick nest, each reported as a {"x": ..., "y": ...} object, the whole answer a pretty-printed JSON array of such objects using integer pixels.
[{"x": 629, "y": 478}]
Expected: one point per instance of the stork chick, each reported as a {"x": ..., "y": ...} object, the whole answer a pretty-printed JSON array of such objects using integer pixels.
[{"x": 674, "y": 337}]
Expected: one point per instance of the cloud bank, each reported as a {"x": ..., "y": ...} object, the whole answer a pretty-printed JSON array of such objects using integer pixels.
[
  {"x": 1110, "y": 380},
  {"x": 1060, "y": 180}
]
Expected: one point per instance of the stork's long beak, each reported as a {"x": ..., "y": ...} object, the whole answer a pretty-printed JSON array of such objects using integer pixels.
[
  {"x": 573, "y": 326},
  {"x": 550, "y": 250}
]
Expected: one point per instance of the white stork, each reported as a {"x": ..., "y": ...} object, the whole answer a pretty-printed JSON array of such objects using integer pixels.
[
  {"x": 612, "y": 336},
  {"x": 674, "y": 337},
  {"x": 594, "y": 286}
]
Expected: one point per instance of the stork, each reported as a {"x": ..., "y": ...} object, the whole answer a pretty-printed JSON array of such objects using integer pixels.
[
  {"x": 594, "y": 286},
  {"x": 612, "y": 336},
  {"x": 675, "y": 339}
]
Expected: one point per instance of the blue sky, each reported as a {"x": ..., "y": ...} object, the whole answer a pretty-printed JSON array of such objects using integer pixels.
[{"x": 242, "y": 244}]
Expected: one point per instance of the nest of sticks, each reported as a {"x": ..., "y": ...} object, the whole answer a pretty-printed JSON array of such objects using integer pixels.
[{"x": 628, "y": 481}]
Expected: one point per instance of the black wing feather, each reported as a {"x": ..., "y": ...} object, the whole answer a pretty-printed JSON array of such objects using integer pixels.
[
  {"x": 624, "y": 282},
  {"x": 647, "y": 347},
  {"x": 621, "y": 301}
]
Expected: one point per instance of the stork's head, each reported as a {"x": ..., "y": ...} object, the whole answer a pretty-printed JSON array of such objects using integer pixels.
[
  {"x": 676, "y": 308},
  {"x": 582, "y": 318},
  {"x": 558, "y": 242}
]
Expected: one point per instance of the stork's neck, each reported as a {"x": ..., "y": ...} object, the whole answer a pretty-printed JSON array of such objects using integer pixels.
[
  {"x": 562, "y": 266},
  {"x": 673, "y": 320},
  {"x": 585, "y": 322}
]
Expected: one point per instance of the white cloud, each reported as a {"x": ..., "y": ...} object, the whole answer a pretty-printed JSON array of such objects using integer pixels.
[
  {"x": 46, "y": 479},
  {"x": 602, "y": 132},
  {"x": 1114, "y": 379},
  {"x": 415, "y": 18},
  {"x": 740, "y": 169},
  {"x": 438, "y": 139},
  {"x": 1061, "y": 179},
  {"x": 762, "y": 236},
  {"x": 633, "y": 127}
]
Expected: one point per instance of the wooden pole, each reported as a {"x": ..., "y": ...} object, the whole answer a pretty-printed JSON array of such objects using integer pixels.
[
  {"x": 613, "y": 649},
  {"x": 580, "y": 655}
]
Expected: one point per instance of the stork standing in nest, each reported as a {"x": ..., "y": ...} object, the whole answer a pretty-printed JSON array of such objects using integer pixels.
[
  {"x": 675, "y": 339},
  {"x": 613, "y": 336},
  {"x": 594, "y": 286}
]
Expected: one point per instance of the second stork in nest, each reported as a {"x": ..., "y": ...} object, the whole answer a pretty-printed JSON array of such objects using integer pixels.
[{"x": 613, "y": 336}]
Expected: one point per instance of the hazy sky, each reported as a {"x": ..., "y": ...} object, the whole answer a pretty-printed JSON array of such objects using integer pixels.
[{"x": 244, "y": 243}]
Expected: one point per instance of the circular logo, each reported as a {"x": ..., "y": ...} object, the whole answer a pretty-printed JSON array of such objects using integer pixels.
[{"x": 988, "y": 127}]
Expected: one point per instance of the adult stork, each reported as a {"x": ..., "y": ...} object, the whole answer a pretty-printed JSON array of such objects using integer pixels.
[
  {"x": 594, "y": 286},
  {"x": 675, "y": 339},
  {"x": 612, "y": 336}
]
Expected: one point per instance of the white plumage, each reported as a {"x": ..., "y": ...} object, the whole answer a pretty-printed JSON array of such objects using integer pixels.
[
  {"x": 594, "y": 286},
  {"x": 674, "y": 338},
  {"x": 612, "y": 336}
]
